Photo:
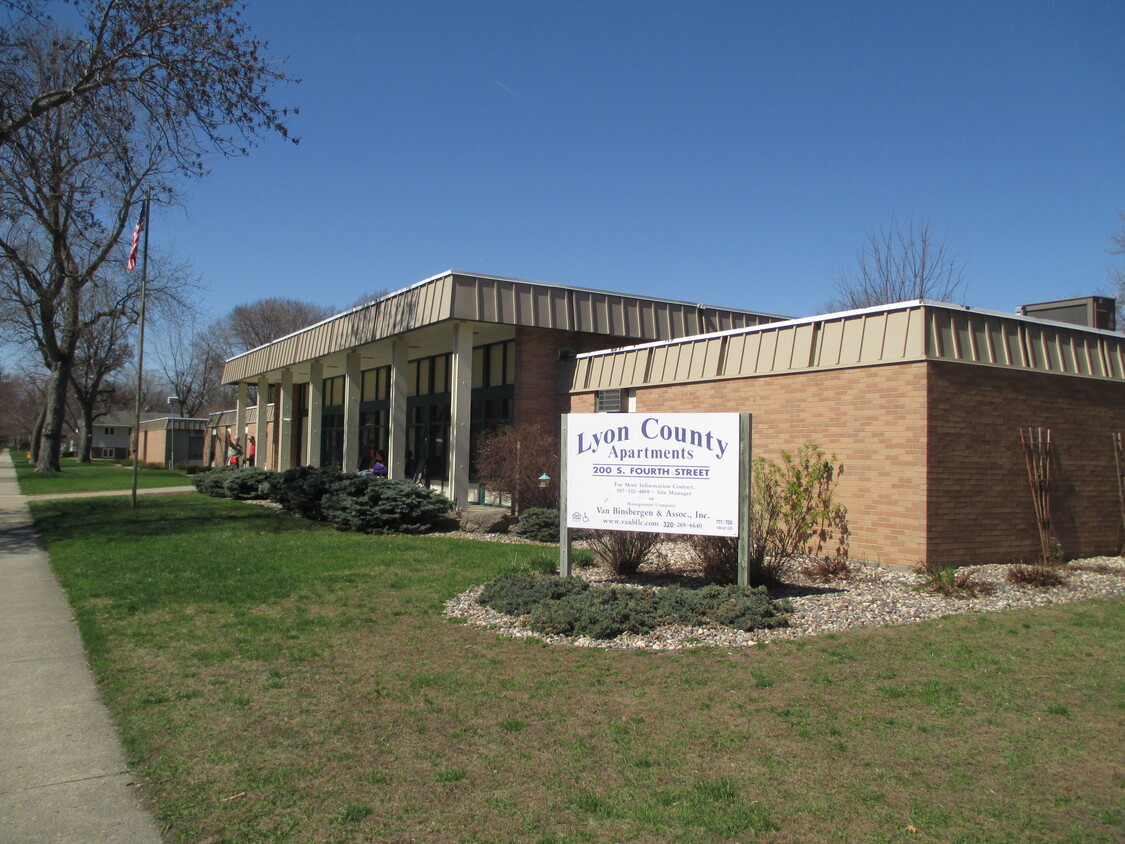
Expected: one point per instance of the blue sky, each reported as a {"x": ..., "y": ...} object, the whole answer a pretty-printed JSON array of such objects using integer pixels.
[{"x": 731, "y": 153}]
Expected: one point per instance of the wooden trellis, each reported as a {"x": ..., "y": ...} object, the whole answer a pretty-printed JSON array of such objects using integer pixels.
[
  {"x": 1037, "y": 452},
  {"x": 1119, "y": 459}
]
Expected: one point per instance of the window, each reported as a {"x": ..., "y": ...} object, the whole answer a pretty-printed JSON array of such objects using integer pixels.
[
  {"x": 609, "y": 401},
  {"x": 109, "y": 453},
  {"x": 109, "y": 432}
]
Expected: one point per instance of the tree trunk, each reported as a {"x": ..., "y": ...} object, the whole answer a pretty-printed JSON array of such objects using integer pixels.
[
  {"x": 51, "y": 438},
  {"x": 86, "y": 436},
  {"x": 37, "y": 431}
]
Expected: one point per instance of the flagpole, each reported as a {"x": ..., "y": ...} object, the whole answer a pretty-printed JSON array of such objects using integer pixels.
[{"x": 140, "y": 351}]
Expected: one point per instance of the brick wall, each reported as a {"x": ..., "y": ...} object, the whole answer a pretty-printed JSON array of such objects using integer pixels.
[
  {"x": 872, "y": 418},
  {"x": 933, "y": 467},
  {"x": 980, "y": 506},
  {"x": 538, "y": 394}
]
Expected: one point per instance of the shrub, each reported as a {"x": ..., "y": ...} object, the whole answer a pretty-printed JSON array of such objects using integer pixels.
[
  {"x": 600, "y": 613},
  {"x": 622, "y": 551},
  {"x": 739, "y": 607},
  {"x": 518, "y": 593},
  {"x": 827, "y": 568},
  {"x": 539, "y": 524},
  {"x": 1040, "y": 576},
  {"x": 794, "y": 513},
  {"x": 247, "y": 484},
  {"x": 951, "y": 581},
  {"x": 510, "y": 459},
  {"x": 717, "y": 557},
  {"x": 569, "y": 606},
  {"x": 211, "y": 483},
  {"x": 300, "y": 490},
  {"x": 371, "y": 504}
]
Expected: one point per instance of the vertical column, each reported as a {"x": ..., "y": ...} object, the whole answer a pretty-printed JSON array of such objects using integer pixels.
[
  {"x": 316, "y": 413},
  {"x": 461, "y": 384},
  {"x": 240, "y": 415},
  {"x": 261, "y": 427},
  {"x": 352, "y": 385},
  {"x": 396, "y": 442},
  {"x": 283, "y": 421}
]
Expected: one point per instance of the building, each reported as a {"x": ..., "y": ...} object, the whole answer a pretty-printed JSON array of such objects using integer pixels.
[
  {"x": 111, "y": 436},
  {"x": 172, "y": 441},
  {"x": 922, "y": 402},
  {"x": 417, "y": 373}
]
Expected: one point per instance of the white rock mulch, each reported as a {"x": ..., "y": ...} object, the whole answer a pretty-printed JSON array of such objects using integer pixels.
[{"x": 870, "y": 597}]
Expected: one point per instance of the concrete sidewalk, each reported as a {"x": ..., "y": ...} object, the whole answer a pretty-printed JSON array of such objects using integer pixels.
[{"x": 62, "y": 771}]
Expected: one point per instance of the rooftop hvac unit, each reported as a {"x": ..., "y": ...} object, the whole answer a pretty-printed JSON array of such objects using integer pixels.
[{"x": 1090, "y": 311}]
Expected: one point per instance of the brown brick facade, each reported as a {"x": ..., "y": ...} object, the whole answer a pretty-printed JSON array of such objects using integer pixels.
[
  {"x": 933, "y": 469},
  {"x": 538, "y": 395},
  {"x": 980, "y": 499}
]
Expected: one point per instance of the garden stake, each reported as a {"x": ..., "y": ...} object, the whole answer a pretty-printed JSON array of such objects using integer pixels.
[{"x": 1037, "y": 454}]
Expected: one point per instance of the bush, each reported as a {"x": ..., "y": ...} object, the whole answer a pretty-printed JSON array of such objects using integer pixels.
[
  {"x": 511, "y": 458},
  {"x": 371, "y": 504},
  {"x": 827, "y": 568},
  {"x": 600, "y": 613},
  {"x": 248, "y": 484},
  {"x": 951, "y": 581},
  {"x": 717, "y": 557},
  {"x": 300, "y": 490},
  {"x": 539, "y": 524},
  {"x": 1040, "y": 576},
  {"x": 568, "y": 606},
  {"x": 518, "y": 593},
  {"x": 622, "y": 551},
  {"x": 212, "y": 482},
  {"x": 739, "y": 607},
  {"x": 794, "y": 514}
]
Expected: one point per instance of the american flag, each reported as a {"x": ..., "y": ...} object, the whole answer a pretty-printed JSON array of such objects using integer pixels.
[{"x": 131, "y": 264}]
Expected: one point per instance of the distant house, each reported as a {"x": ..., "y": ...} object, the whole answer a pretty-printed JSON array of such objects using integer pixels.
[{"x": 110, "y": 438}]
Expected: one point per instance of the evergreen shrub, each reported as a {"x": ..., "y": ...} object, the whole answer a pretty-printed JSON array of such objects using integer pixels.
[
  {"x": 600, "y": 613},
  {"x": 539, "y": 524},
  {"x": 569, "y": 606},
  {"x": 518, "y": 593},
  {"x": 248, "y": 484},
  {"x": 371, "y": 504},
  {"x": 212, "y": 482},
  {"x": 301, "y": 489}
]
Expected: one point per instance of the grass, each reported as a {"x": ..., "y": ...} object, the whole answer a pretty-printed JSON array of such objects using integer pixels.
[
  {"x": 276, "y": 681},
  {"x": 101, "y": 475}
]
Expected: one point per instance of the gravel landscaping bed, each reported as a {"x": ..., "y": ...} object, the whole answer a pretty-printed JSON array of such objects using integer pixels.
[{"x": 870, "y": 597}]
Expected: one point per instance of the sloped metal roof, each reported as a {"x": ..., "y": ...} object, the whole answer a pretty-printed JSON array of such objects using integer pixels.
[
  {"x": 490, "y": 299},
  {"x": 909, "y": 331}
]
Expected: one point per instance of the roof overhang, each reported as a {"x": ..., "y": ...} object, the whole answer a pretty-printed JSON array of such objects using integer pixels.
[
  {"x": 485, "y": 301},
  {"x": 901, "y": 333}
]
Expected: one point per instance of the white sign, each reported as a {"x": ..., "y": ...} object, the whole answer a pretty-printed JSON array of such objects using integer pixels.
[{"x": 658, "y": 472}]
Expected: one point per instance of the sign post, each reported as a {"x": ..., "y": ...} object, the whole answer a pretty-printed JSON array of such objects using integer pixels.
[{"x": 683, "y": 473}]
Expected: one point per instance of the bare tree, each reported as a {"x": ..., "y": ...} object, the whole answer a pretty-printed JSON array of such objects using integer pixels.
[
  {"x": 191, "y": 361},
  {"x": 181, "y": 63},
  {"x": 88, "y": 124},
  {"x": 511, "y": 459},
  {"x": 899, "y": 265},
  {"x": 257, "y": 323},
  {"x": 21, "y": 403},
  {"x": 1117, "y": 273}
]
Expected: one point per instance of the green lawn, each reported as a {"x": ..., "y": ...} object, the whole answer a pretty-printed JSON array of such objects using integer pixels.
[
  {"x": 276, "y": 681},
  {"x": 91, "y": 477}
]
